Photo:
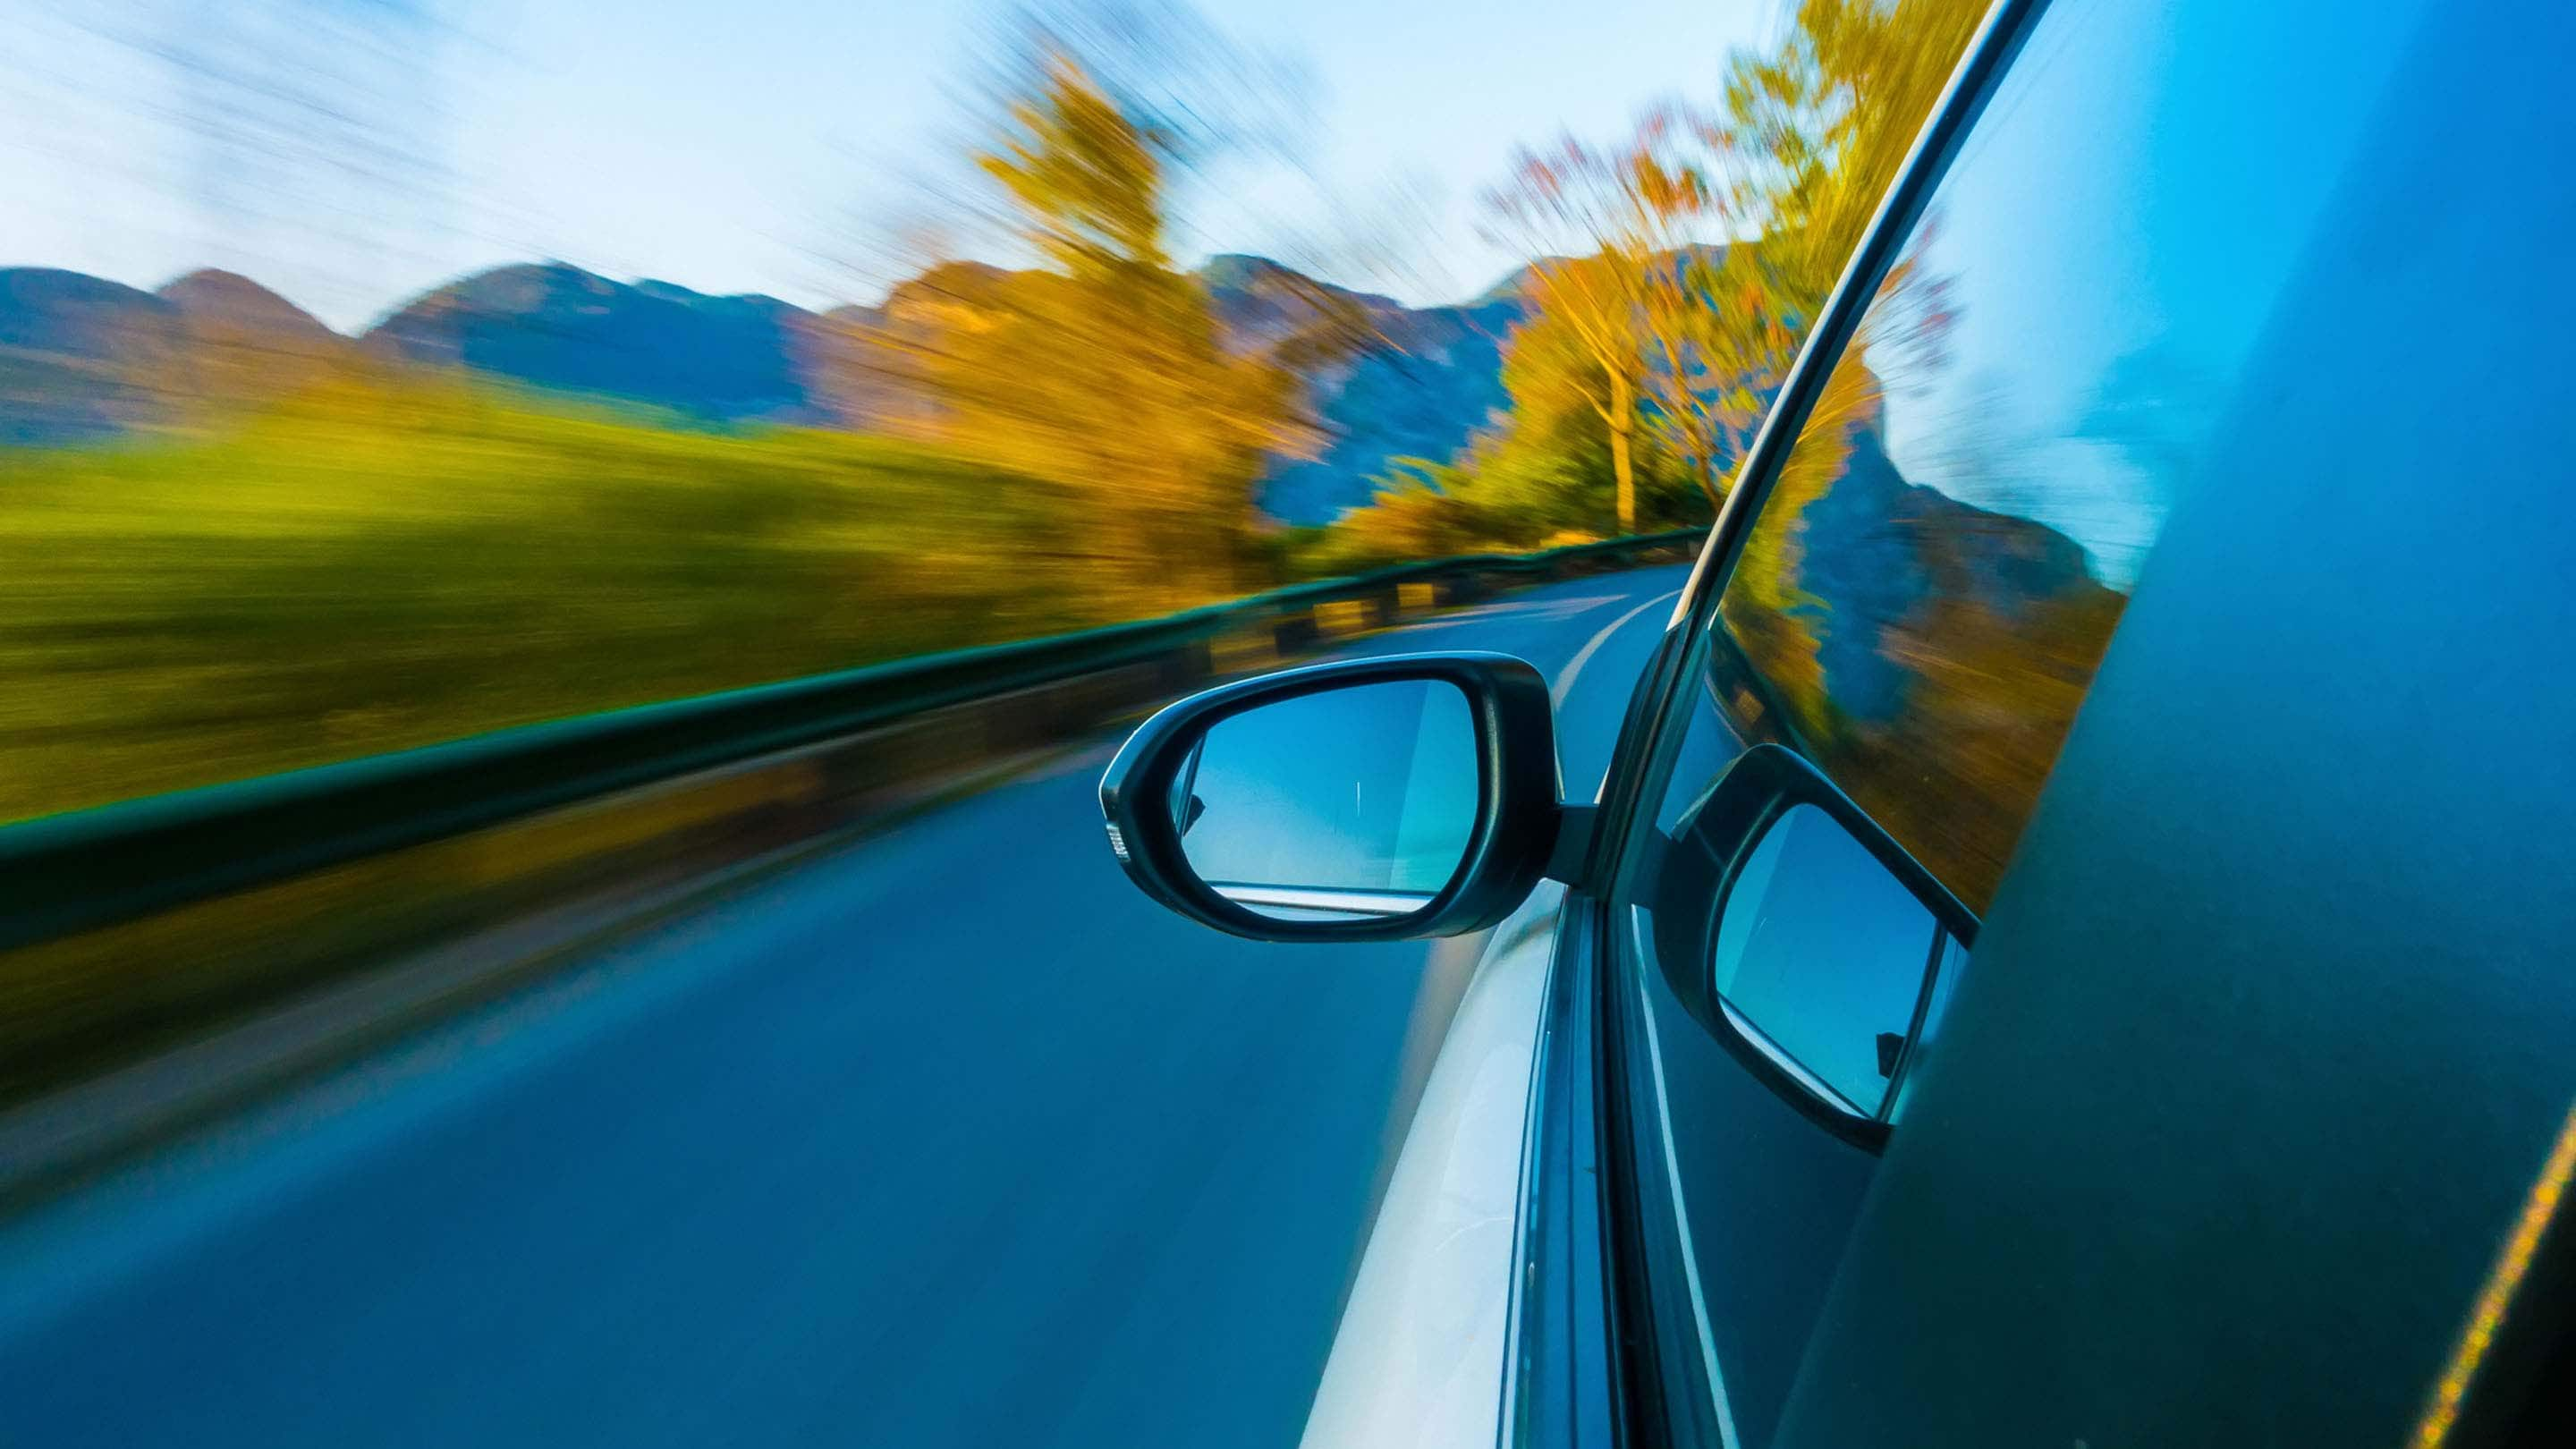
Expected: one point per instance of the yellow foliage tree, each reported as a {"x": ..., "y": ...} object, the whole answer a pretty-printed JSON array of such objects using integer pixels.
[
  {"x": 1622, "y": 306},
  {"x": 1103, "y": 371}
]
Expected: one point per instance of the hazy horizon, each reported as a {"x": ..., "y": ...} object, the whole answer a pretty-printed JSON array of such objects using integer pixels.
[
  {"x": 754, "y": 153},
  {"x": 370, "y": 320}
]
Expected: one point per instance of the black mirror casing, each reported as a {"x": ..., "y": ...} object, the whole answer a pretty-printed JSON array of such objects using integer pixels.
[{"x": 1509, "y": 846}]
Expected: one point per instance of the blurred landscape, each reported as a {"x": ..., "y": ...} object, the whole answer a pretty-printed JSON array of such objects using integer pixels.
[
  {"x": 235, "y": 541},
  {"x": 92, "y": 360}
]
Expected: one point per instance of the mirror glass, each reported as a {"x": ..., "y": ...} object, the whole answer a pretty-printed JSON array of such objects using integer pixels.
[
  {"x": 1345, "y": 804},
  {"x": 1823, "y": 954}
]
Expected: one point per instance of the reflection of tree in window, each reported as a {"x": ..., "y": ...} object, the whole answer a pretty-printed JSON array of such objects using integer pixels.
[{"x": 1929, "y": 653}]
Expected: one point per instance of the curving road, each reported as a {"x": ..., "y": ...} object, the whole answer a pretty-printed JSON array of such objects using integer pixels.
[{"x": 945, "y": 1138}]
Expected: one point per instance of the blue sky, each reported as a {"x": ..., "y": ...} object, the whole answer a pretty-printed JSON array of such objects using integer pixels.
[{"x": 751, "y": 145}]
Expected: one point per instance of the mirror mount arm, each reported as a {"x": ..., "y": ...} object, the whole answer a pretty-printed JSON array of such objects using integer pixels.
[{"x": 1570, "y": 859}]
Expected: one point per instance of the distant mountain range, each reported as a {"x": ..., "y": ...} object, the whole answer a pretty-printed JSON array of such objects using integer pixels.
[
  {"x": 83, "y": 359},
  {"x": 557, "y": 327}
]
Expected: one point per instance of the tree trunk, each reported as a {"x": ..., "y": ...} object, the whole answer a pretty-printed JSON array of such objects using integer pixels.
[{"x": 1623, "y": 413}]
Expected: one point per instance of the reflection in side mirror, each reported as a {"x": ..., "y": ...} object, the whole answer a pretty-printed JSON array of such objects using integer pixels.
[
  {"x": 1374, "y": 799},
  {"x": 1825, "y": 959},
  {"x": 1341, "y": 805}
]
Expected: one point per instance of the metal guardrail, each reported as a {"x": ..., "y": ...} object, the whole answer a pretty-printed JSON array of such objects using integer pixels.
[{"x": 86, "y": 869}]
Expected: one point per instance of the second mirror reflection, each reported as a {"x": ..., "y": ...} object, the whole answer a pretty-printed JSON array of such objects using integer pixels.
[
  {"x": 1345, "y": 804},
  {"x": 1827, "y": 957}
]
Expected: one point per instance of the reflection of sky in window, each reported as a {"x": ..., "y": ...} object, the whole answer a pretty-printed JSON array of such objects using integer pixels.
[
  {"x": 1367, "y": 788},
  {"x": 2112, "y": 253}
]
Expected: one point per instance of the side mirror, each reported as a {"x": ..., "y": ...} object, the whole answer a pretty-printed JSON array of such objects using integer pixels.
[
  {"x": 1807, "y": 940},
  {"x": 1371, "y": 800}
]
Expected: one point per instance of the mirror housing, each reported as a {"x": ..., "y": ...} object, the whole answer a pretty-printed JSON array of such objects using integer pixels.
[{"x": 1508, "y": 845}]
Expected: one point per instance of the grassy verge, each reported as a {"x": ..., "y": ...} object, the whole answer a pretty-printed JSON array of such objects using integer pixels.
[{"x": 376, "y": 568}]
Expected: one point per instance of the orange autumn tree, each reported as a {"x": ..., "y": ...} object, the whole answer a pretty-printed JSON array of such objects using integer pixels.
[
  {"x": 1672, "y": 367},
  {"x": 1103, "y": 369}
]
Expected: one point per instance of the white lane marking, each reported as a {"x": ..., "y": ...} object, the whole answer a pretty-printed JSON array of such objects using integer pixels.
[
  {"x": 1673, "y": 1177},
  {"x": 1583, "y": 656}
]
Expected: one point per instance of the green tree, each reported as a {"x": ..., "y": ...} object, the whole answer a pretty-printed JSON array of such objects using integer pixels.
[{"x": 1616, "y": 235}]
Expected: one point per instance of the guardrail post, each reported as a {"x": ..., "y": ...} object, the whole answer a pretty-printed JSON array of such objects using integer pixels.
[{"x": 1294, "y": 631}]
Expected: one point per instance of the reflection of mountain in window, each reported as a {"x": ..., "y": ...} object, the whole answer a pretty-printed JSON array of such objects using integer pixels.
[{"x": 1929, "y": 653}]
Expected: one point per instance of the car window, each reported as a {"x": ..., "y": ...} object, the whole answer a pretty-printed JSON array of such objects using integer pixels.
[{"x": 1920, "y": 603}]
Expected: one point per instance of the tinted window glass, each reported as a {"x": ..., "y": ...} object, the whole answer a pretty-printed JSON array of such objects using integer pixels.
[
  {"x": 1922, "y": 601},
  {"x": 1920, "y": 605}
]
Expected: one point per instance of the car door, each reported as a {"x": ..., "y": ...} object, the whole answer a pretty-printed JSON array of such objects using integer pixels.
[
  {"x": 2072, "y": 945},
  {"x": 1833, "y": 1209}
]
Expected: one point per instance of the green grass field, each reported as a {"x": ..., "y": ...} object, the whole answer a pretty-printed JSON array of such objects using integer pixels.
[{"x": 377, "y": 568}]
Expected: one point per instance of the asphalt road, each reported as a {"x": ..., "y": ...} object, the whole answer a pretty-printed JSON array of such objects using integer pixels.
[{"x": 945, "y": 1138}]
